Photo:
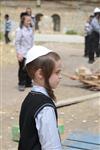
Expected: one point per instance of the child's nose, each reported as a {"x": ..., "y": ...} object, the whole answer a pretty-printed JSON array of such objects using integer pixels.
[{"x": 60, "y": 76}]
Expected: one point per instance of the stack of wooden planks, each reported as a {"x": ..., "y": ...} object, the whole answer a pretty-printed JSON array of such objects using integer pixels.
[{"x": 91, "y": 81}]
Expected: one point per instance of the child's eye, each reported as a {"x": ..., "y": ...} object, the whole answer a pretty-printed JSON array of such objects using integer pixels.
[{"x": 58, "y": 72}]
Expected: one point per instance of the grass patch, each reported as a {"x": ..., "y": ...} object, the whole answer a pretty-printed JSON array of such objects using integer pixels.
[
  {"x": 1, "y": 36},
  {"x": 71, "y": 32}
]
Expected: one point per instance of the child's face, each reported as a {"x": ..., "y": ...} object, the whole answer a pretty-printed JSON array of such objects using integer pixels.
[
  {"x": 56, "y": 75},
  {"x": 27, "y": 21}
]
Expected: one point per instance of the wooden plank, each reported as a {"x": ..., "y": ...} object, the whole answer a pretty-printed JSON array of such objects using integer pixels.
[
  {"x": 85, "y": 137},
  {"x": 70, "y": 148},
  {"x": 70, "y": 101},
  {"x": 91, "y": 83},
  {"x": 81, "y": 145}
]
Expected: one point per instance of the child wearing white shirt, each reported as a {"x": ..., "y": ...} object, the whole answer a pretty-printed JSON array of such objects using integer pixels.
[
  {"x": 23, "y": 42},
  {"x": 38, "y": 116}
]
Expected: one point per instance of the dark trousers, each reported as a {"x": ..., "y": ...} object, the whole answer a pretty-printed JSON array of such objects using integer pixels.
[
  {"x": 94, "y": 46},
  {"x": 7, "y": 40},
  {"x": 23, "y": 77},
  {"x": 99, "y": 50},
  {"x": 87, "y": 45}
]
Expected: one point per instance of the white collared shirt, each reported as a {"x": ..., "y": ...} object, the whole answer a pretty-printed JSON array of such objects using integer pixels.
[
  {"x": 95, "y": 25},
  {"x": 24, "y": 40},
  {"x": 47, "y": 126},
  {"x": 8, "y": 25}
]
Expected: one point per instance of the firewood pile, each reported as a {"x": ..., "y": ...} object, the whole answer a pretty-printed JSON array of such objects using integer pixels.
[{"x": 89, "y": 79}]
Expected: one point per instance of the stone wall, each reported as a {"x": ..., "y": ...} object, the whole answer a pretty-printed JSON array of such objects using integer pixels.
[{"x": 72, "y": 15}]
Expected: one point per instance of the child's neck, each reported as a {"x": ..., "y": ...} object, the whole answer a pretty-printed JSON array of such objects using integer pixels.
[
  {"x": 37, "y": 84},
  {"x": 26, "y": 26}
]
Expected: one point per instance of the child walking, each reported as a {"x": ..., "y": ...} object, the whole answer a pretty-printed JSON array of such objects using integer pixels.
[
  {"x": 23, "y": 42},
  {"x": 8, "y": 26},
  {"x": 88, "y": 31},
  {"x": 38, "y": 115}
]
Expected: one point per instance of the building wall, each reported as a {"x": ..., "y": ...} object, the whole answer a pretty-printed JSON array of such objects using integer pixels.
[{"x": 73, "y": 15}]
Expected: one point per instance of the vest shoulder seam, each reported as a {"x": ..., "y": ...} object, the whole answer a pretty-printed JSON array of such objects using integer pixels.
[{"x": 40, "y": 108}]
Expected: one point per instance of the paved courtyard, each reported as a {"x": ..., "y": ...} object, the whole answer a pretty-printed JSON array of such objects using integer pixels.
[{"x": 82, "y": 116}]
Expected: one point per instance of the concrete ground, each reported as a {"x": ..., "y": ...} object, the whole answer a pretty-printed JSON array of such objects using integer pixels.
[
  {"x": 82, "y": 116},
  {"x": 59, "y": 38}
]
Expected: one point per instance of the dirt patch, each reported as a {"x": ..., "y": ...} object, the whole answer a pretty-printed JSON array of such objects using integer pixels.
[{"x": 84, "y": 116}]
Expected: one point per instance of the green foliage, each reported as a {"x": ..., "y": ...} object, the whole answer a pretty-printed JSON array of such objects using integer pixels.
[
  {"x": 1, "y": 36},
  {"x": 71, "y": 32}
]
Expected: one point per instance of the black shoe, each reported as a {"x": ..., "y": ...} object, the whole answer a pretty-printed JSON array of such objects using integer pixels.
[
  {"x": 28, "y": 85},
  {"x": 97, "y": 55},
  {"x": 21, "y": 87},
  {"x": 90, "y": 61},
  {"x": 86, "y": 55}
]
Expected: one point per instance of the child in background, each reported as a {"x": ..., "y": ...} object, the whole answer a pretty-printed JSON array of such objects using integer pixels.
[
  {"x": 8, "y": 26},
  {"x": 29, "y": 12},
  {"x": 23, "y": 42},
  {"x": 95, "y": 36},
  {"x": 38, "y": 116},
  {"x": 88, "y": 31}
]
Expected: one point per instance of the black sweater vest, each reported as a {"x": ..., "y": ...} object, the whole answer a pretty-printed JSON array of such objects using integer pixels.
[{"x": 31, "y": 106}]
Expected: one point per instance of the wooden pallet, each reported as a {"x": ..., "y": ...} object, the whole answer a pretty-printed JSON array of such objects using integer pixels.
[
  {"x": 82, "y": 141},
  {"x": 92, "y": 84}
]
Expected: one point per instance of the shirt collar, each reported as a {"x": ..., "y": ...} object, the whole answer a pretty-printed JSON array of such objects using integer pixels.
[
  {"x": 41, "y": 89},
  {"x": 26, "y": 28}
]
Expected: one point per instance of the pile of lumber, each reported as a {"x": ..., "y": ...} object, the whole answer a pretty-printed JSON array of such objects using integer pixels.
[
  {"x": 85, "y": 76},
  {"x": 92, "y": 81}
]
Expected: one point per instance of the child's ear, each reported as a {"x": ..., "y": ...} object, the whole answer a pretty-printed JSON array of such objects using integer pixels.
[{"x": 39, "y": 73}]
